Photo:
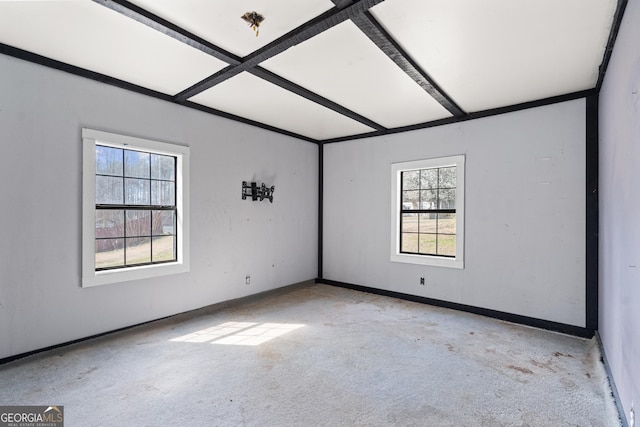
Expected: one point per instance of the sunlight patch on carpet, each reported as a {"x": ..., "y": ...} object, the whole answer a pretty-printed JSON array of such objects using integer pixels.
[{"x": 239, "y": 333}]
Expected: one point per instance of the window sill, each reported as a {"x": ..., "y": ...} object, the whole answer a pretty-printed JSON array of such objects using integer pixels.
[
  {"x": 106, "y": 277},
  {"x": 428, "y": 260}
]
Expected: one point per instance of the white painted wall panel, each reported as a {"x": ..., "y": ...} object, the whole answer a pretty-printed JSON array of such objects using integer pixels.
[
  {"x": 525, "y": 213},
  {"x": 619, "y": 181},
  {"x": 42, "y": 112},
  {"x": 494, "y": 53}
]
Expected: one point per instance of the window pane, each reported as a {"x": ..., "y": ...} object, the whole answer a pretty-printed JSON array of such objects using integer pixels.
[
  {"x": 447, "y": 223},
  {"x": 446, "y": 244},
  {"x": 428, "y": 223},
  {"x": 163, "y": 193},
  {"x": 411, "y": 180},
  {"x": 447, "y": 199},
  {"x": 108, "y": 160},
  {"x": 136, "y": 164},
  {"x": 164, "y": 248},
  {"x": 428, "y": 199},
  {"x": 138, "y": 250},
  {"x": 137, "y": 191},
  {"x": 109, "y": 253},
  {"x": 163, "y": 167},
  {"x": 138, "y": 223},
  {"x": 109, "y": 223},
  {"x": 109, "y": 190},
  {"x": 447, "y": 177},
  {"x": 410, "y": 223},
  {"x": 410, "y": 199},
  {"x": 429, "y": 178},
  {"x": 409, "y": 242},
  {"x": 428, "y": 244},
  {"x": 163, "y": 223}
]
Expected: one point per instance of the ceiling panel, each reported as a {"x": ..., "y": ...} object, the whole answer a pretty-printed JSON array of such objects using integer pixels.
[
  {"x": 253, "y": 98},
  {"x": 495, "y": 53},
  {"x": 219, "y": 21},
  {"x": 87, "y": 35},
  {"x": 343, "y": 65}
]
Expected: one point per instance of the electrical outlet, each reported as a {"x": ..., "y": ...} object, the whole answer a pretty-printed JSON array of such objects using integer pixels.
[
  {"x": 248, "y": 280},
  {"x": 422, "y": 281}
]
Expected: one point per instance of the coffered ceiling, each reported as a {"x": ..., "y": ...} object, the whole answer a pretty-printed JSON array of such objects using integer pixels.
[{"x": 325, "y": 70}]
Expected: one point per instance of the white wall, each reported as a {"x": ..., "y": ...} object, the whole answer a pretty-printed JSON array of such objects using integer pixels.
[
  {"x": 525, "y": 213},
  {"x": 619, "y": 182},
  {"x": 42, "y": 112}
]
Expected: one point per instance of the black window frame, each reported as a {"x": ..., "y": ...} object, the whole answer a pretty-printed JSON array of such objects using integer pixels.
[
  {"x": 420, "y": 210},
  {"x": 124, "y": 207}
]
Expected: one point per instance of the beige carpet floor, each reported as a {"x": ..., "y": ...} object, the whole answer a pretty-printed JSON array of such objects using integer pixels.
[{"x": 317, "y": 355}]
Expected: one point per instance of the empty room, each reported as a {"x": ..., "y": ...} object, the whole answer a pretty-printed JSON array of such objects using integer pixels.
[{"x": 322, "y": 212}]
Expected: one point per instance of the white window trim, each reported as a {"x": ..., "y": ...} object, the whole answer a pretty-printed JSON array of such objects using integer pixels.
[
  {"x": 396, "y": 169},
  {"x": 91, "y": 277}
]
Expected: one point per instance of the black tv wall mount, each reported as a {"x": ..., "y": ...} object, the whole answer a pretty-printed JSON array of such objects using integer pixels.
[{"x": 251, "y": 189}]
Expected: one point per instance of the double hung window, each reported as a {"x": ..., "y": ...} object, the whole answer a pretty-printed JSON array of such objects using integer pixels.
[
  {"x": 134, "y": 208},
  {"x": 428, "y": 210}
]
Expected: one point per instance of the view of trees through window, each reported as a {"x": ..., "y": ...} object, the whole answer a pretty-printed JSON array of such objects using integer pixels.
[
  {"x": 428, "y": 214},
  {"x": 135, "y": 208}
]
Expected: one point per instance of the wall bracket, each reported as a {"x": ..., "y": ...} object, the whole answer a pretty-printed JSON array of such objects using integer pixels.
[{"x": 251, "y": 189}]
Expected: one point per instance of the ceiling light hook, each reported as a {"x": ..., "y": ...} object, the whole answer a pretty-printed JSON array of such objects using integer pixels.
[{"x": 253, "y": 19}]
